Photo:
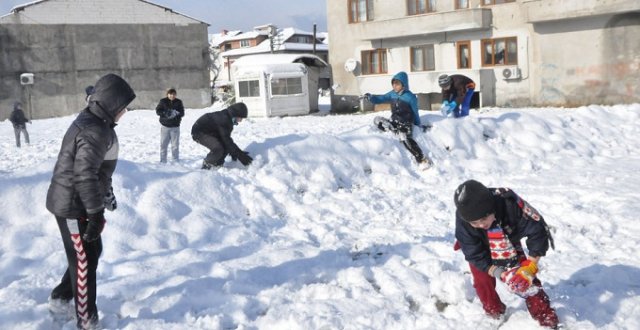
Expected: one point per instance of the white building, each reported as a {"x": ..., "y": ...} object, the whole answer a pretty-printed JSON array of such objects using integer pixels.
[
  {"x": 279, "y": 84},
  {"x": 519, "y": 52}
]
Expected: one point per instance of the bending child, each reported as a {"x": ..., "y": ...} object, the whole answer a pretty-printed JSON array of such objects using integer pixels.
[{"x": 489, "y": 226}]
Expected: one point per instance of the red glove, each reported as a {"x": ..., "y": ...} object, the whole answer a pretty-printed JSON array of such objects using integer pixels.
[{"x": 519, "y": 279}]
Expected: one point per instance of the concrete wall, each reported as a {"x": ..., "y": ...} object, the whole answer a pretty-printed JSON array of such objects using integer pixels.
[
  {"x": 69, "y": 44},
  {"x": 592, "y": 60},
  {"x": 66, "y": 58}
]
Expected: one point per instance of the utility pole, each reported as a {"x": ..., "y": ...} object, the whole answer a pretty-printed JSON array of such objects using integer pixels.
[{"x": 315, "y": 31}]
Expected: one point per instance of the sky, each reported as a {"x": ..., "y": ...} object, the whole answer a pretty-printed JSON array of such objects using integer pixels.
[
  {"x": 333, "y": 226},
  {"x": 239, "y": 14}
]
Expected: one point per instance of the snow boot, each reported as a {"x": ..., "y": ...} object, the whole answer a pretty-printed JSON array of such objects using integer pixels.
[{"x": 540, "y": 309}]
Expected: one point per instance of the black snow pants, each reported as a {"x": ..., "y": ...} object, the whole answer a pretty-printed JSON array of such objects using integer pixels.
[
  {"x": 217, "y": 152},
  {"x": 404, "y": 131},
  {"x": 79, "y": 280}
]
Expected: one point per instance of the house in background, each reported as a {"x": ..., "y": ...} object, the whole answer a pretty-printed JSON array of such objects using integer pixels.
[
  {"x": 59, "y": 47},
  {"x": 268, "y": 39},
  {"x": 519, "y": 53},
  {"x": 279, "y": 84}
]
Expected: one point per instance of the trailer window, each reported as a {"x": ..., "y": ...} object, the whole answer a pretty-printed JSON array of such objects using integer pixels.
[
  {"x": 286, "y": 86},
  {"x": 249, "y": 88}
]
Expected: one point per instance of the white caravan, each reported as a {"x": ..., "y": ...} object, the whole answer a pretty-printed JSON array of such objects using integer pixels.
[{"x": 276, "y": 85}]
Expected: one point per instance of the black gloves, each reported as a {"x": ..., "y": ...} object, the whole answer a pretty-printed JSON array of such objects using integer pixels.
[
  {"x": 171, "y": 113},
  {"x": 244, "y": 158},
  {"x": 110, "y": 202},
  {"x": 94, "y": 227},
  {"x": 235, "y": 158}
]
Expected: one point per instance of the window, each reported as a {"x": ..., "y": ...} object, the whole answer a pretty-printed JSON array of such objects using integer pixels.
[
  {"x": 422, "y": 58},
  {"x": 286, "y": 86},
  {"x": 464, "y": 54},
  {"x": 300, "y": 39},
  {"x": 462, "y": 4},
  {"x": 503, "y": 51},
  {"x": 245, "y": 43},
  {"x": 416, "y": 7},
  {"x": 360, "y": 11},
  {"x": 249, "y": 88},
  {"x": 495, "y": 2},
  {"x": 374, "y": 61}
]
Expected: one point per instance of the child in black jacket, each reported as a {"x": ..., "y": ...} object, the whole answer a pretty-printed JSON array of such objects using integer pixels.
[{"x": 490, "y": 222}]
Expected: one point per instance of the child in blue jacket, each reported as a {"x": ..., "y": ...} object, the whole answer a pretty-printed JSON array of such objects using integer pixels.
[{"x": 404, "y": 114}]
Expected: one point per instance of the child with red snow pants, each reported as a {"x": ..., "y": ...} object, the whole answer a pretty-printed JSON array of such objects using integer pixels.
[{"x": 490, "y": 222}]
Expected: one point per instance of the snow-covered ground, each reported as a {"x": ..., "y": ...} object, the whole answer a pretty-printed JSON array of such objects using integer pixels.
[{"x": 333, "y": 226}]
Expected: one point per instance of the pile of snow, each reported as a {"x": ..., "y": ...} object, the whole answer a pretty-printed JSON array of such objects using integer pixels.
[{"x": 333, "y": 226}]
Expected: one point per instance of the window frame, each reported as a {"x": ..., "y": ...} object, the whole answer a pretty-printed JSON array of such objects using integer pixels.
[
  {"x": 457, "y": 4},
  {"x": 286, "y": 86},
  {"x": 427, "y": 6},
  {"x": 382, "y": 66},
  {"x": 459, "y": 45},
  {"x": 493, "y": 41},
  {"x": 249, "y": 88},
  {"x": 356, "y": 19},
  {"x": 425, "y": 66}
]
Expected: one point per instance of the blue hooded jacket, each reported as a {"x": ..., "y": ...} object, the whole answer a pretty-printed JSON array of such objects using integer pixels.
[{"x": 404, "y": 105}]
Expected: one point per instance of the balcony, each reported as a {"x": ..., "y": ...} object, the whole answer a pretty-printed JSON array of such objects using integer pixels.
[
  {"x": 407, "y": 26},
  {"x": 538, "y": 11}
]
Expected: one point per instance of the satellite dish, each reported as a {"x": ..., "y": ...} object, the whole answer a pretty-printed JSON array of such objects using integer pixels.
[{"x": 350, "y": 65}]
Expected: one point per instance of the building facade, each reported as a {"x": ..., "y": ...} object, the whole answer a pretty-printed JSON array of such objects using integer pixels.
[
  {"x": 519, "y": 52},
  {"x": 52, "y": 49}
]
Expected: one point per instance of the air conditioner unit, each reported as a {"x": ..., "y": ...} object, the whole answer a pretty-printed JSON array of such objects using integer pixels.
[
  {"x": 511, "y": 73},
  {"x": 26, "y": 79}
]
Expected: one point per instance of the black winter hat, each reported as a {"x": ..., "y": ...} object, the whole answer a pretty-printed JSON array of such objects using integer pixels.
[
  {"x": 239, "y": 110},
  {"x": 473, "y": 201}
]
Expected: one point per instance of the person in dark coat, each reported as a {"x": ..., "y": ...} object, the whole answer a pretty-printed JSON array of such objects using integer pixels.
[
  {"x": 80, "y": 190},
  {"x": 19, "y": 122},
  {"x": 490, "y": 223},
  {"x": 170, "y": 111},
  {"x": 213, "y": 130},
  {"x": 404, "y": 114},
  {"x": 457, "y": 91}
]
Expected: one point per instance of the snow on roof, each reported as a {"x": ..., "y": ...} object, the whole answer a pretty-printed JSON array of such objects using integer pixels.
[
  {"x": 248, "y": 35},
  {"x": 274, "y": 59},
  {"x": 216, "y": 39},
  {"x": 265, "y": 46},
  {"x": 253, "y": 70}
]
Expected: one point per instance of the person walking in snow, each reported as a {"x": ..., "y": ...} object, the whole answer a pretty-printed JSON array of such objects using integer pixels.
[
  {"x": 404, "y": 114},
  {"x": 19, "y": 122},
  {"x": 457, "y": 91},
  {"x": 490, "y": 222},
  {"x": 79, "y": 192},
  {"x": 171, "y": 111},
  {"x": 213, "y": 130}
]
